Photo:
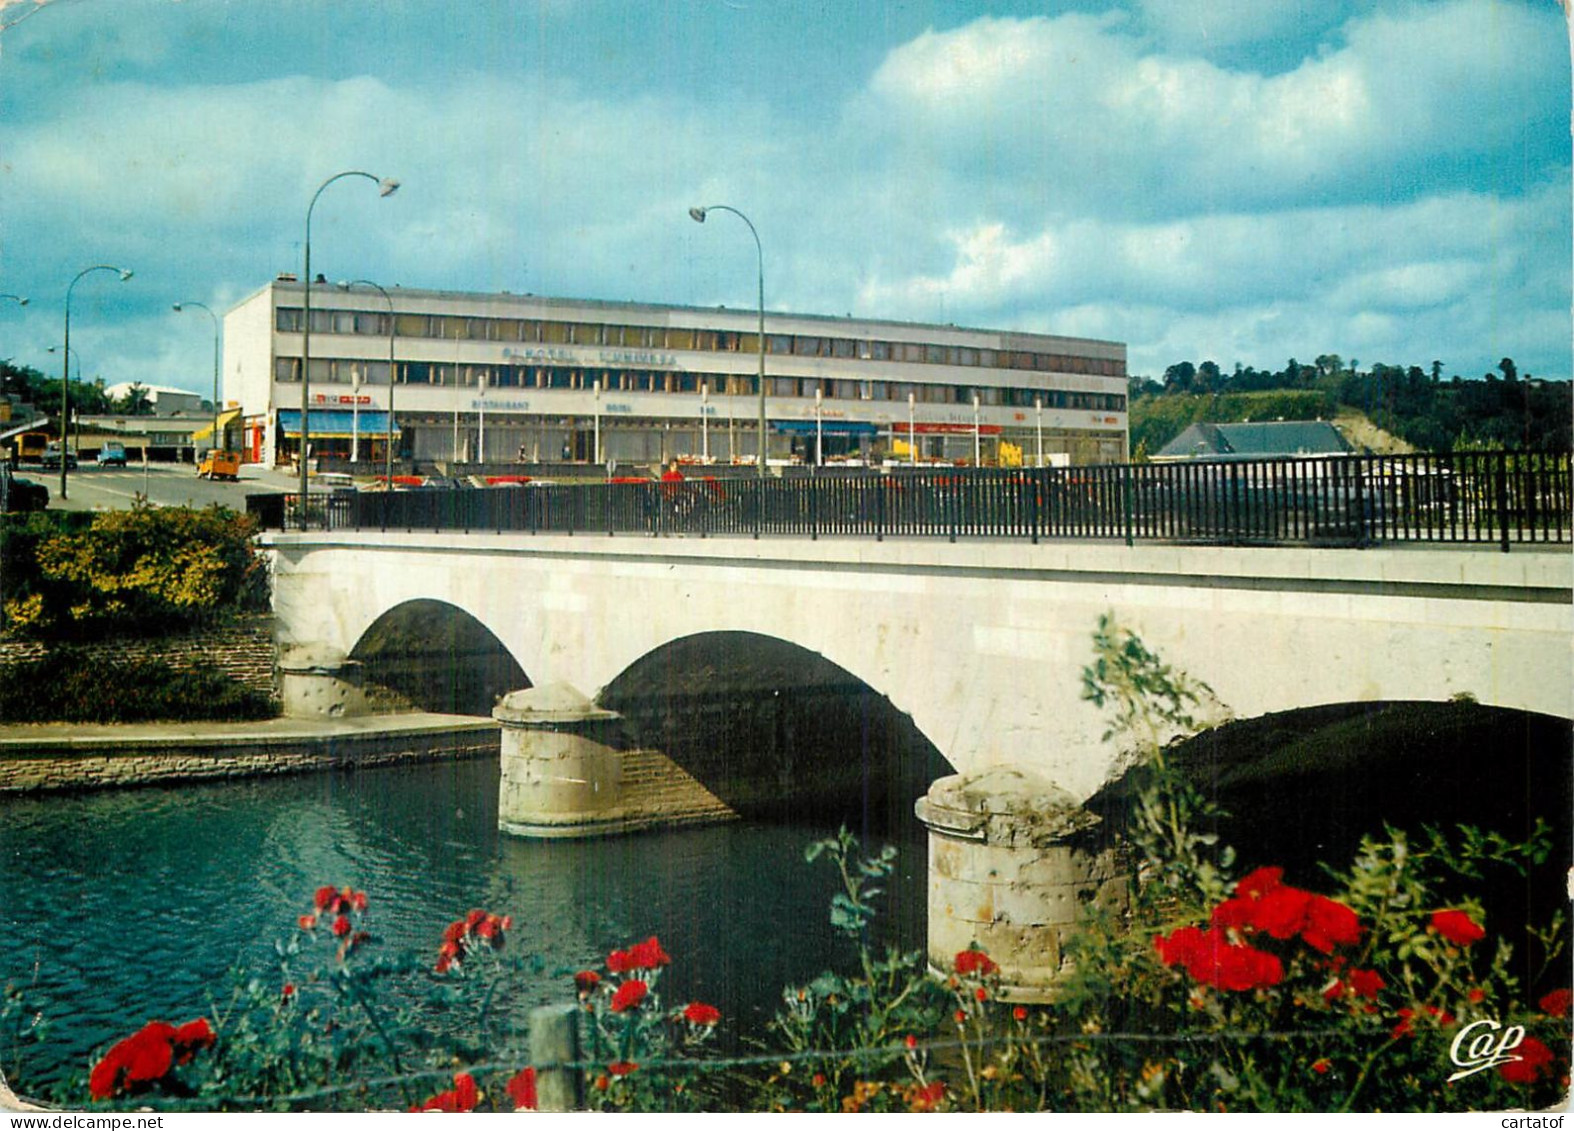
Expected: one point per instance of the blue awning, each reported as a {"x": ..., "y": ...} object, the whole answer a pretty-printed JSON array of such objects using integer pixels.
[
  {"x": 829, "y": 427},
  {"x": 332, "y": 423}
]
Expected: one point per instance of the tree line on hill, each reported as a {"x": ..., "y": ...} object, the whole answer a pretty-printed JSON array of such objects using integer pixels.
[
  {"x": 1501, "y": 410},
  {"x": 26, "y": 385}
]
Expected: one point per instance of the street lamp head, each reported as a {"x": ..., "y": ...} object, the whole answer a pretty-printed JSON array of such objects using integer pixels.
[
  {"x": 387, "y": 186},
  {"x": 125, "y": 274},
  {"x": 176, "y": 306},
  {"x": 697, "y": 215}
]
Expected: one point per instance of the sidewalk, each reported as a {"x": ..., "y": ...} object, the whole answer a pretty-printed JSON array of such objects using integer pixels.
[{"x": 48, "y": 757}]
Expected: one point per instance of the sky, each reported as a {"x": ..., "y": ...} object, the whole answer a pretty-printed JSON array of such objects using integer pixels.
[{"x": 1241, "y": 181}]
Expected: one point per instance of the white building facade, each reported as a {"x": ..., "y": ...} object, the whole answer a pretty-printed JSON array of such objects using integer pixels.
[{"x": 499, "y": 378}]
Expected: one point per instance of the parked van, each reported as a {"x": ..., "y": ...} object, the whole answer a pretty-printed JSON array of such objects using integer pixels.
[
  {"x": 112, "y": 454},
  {"x": 218, "y": 464}
]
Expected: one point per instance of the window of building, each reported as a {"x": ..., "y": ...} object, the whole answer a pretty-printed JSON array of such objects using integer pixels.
[
  {"x": 555, "y": 332},
  {"x": 287, "y": 320},
  {"x": 967, "y": 357},
  {"x": 843, "y": 347},
  {"x": 880, "y": 351},
  {"x": 705, "y": 339},
  {"x": 807, "y": 347},
  {"x": 987, "y": 358},
  {"x": 844, "y": 390},
  {"x": 585, "y": 333},
  {"x": 413, "y": 325},
  {"x": 679, "y": 339},
  {"x": 287, "y": 368},
  {"x": 778, "y": 343}
]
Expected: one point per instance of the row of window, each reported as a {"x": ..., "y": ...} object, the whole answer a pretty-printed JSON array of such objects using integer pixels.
[
  {"x": 538, "y": 332},
  {"x": 337, "y": 371}
]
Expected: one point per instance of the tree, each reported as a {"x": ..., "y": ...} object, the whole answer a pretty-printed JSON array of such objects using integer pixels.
[
  {"x": 1179, "y": 378},
  {"x": 1510, "y": 373}
]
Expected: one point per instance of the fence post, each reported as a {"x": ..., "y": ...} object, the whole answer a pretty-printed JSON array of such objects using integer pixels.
[
  {"x": 879, "y": 508},
  {"x": 1126, "y": 474},
  {"x": 1502, "y": 500},
  {"x": 554, "y": 1043}
]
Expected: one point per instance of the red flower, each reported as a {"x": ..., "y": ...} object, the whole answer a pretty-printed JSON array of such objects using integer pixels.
[
  {"x": 622, "y": 1068},
  {"x": 522, "y": 1090},
  {"x": 307, "y": 922},
  {"x": 629, "y": 995},
  {"x": 961, "y": 1017},
  {"x": 1457, "y": 927},
  {"x": 358, "y": 900},
  {"x": 463, "y": 1097},
  {"x": 1366, "y": 983},
  {"x": 1534, "y": 1059},
  {"x": 190, "y": 1037},
  {"x": 819, "y": 1080},
  {"x": 1281, "y": 912},
  {"x": 288, "y": 991},
  {"x": 1020, "y": 1013},
  {"x": 648, "y": 955},
  {"x": 698, "y": 1013},
  {"x": 1211, "y": 958},
  {"x": 1256, "y": 884},
  {"x": 1321, "y": 1065},
  {"x": 475, "y": 919},
  {"x": 145, "y": 1057},
  {"x": 925, "y": 1098},
  {"x": 326, "y": 897},
  {"x": 910, "y": 1041},
  {"x": 1556, "y": 1003},
  {"x": 1406, "y": 1025},
  {"x": 975, "y": 962},
  {"x": 455, "y": 932},
  {"x": 586, "y": 981},
  {"x": 1329, "y": 923},
  {"x": 619, "y": 962},
  {"x": 981, "y": 994},
  {"x": 341, "y": 926}
]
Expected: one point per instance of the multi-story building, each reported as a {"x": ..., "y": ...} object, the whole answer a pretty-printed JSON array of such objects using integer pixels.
[{"x": 493, "y": 378}]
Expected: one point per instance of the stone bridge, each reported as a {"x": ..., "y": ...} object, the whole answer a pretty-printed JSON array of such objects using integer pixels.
[{"x": 981, "y": 643}]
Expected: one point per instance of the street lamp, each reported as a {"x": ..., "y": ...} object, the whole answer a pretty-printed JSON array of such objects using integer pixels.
[
  {"x": 1038, "y": 407},
  {"x": 976, "y": 460},
  {"x": 705, "y": 421},
  {"x": 65, "y": 364},
  {"x": 912, "y": 434},
  {"x": 388, "y": 442},
  {"x": 385, "y": 187},
  {"x": 698, "y": 215},
  {"x": 819, "y": 429},
  {"x": 179, "y": 306}
]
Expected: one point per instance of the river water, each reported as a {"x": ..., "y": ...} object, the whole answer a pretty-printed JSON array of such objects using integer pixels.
[{"x": 120, "y": 906}]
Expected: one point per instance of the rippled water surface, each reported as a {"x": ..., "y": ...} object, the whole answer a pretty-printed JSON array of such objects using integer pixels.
[{"x": 120, "y": 906}]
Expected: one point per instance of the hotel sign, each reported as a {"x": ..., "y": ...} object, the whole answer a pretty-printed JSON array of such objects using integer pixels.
[{"x": 603, "y": 358}]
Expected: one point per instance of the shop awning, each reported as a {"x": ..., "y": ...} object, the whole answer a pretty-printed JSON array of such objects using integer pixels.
[
  {"x": 335, "y": 423},
  {"x": 226, "y": 418},
  {"x": 828, "y": 427}
]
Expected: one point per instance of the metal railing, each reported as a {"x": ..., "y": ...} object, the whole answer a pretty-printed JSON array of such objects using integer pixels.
[{"x": 1487, "y": 497}]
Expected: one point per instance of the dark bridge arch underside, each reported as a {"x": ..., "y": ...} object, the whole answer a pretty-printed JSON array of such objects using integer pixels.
[
  {"x": 774, "y": 729},
  {"x": 437, "y": 657},
  {"x": 1301, "y": 788}
]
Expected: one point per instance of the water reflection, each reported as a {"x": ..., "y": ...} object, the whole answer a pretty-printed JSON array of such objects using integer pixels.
[{"x": 124, "y": 905}]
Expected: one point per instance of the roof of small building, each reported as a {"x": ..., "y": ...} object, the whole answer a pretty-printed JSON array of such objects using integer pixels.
[{"x": 1256, "y": 440}]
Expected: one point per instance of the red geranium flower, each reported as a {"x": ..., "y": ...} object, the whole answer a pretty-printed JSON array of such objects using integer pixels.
[
  {"x": 1457, "y": 927},
  {"x": 648, "y": 955},
  {"x": 1211, "y": 958},
  {"x": 586, "y": 981},
  {"x": 926, "y": 1097},
  {"x": 475, "y": 918},
  {"x": 190, "y": 1037},
  {"x": 975, "y": 962},
  {"x": 1281, "y": 912},
  {"x": 629, "y": 995},
  {"x": 455, "y": 932},
  {"x": 307, "y": 922},
  {"x": 619, "y": 962},
  {"x": 522, "y": 1090},
  {"x": 326, "y": 897},
  {"x": 341, "y": 926},
  {"x": 698, "y": 1013},
  {"x": 1258, "y": 883},
  {"x": 1329, "y": 923},
  {"x": 622, "y": 1068},
  {"x": 1556, "y": 1003},
  {"x": 134, "y": 1062},
  {"x": 463, "y": 1097},
  {"x": 1534, "y": 1059},
  {"x": 1366, "y": 983},
  {"x": 1321, "y": 1065}
]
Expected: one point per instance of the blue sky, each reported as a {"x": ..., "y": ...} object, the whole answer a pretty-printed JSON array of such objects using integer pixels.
[{"x": 1230, "y": 180}]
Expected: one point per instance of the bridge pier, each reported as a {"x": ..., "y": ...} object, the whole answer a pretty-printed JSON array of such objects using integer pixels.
[
  {"x": 558, "y": 778},
  {"x": 319, "y": 681},
  {"x": 1013, "y": 859}
]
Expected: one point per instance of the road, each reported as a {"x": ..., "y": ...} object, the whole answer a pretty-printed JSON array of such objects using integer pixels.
[{"x": 92, "y": 488}]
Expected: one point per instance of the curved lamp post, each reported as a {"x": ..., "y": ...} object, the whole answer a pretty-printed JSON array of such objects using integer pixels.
[
  {"x": 65, "y": 364},
  {"x": 388, "y": 441},
  {"x": 698, "y": 214},
  {"x": 179, "y": 306},
  {"x": 385, "y": 187}
]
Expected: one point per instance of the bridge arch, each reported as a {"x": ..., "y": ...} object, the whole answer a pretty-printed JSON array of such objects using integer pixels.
[
  {"x": 438, "y": 657},
  {"x": 770, "y": 726}
]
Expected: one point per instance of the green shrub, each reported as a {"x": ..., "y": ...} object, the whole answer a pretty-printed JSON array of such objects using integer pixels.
[{"x": 77, "y": 685}]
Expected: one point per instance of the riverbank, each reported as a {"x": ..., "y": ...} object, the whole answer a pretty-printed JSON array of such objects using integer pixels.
[{"x": 44, "y": 757}]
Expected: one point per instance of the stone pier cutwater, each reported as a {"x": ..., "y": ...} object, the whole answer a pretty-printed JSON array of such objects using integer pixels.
[
  {"x": 1013, "y": 860},
  {"x": 319, "y": 681},
  {"x": 564, "y": 776}
]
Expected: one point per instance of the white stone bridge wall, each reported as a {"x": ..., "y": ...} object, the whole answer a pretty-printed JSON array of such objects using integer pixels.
[{"x": 981, "y": 642}]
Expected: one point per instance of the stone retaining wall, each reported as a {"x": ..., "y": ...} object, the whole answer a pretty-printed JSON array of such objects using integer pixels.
[
  {"x": 244, "y": 649},
  {"x": 45, "y": 770}
]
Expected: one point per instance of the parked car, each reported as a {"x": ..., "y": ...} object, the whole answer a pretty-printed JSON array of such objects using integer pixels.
[
  {"x": 219, "y": 464},
  {"x": 112, "y": 454},
  {"x": 21, "y": 494},
  {"x": 53, "y": 453}
]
